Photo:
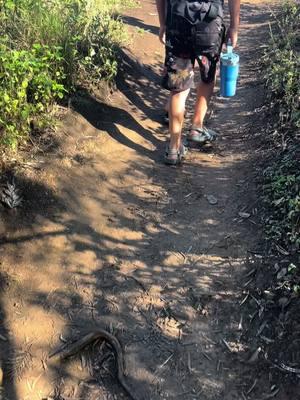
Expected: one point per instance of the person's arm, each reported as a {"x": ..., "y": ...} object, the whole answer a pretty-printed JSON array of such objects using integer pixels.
[
  {"x": 161, "y": 9},
  {"x": 234, "y": 11}
]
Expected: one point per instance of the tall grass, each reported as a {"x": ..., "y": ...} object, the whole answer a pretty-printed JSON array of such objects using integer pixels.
[
  {"x": 81, "y": 28},
  {"x": 81, "y": 39}
]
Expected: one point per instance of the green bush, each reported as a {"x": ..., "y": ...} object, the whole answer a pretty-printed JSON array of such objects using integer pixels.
[
  {"x": 99, "y": 46},
  {"x": 282, "y": 178},
  {"x": 87, "y": 31},
  {"x": 29, "y": 85},
  {"x": 282, "y": 65},
  {"x": 282, "y": 196},
  {"x": 47, "y": 48}
]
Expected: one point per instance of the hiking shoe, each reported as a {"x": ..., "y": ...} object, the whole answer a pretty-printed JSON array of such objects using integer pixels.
[
  {"x": 202, "y": 135},
  {"x": 174, "y": 156}
]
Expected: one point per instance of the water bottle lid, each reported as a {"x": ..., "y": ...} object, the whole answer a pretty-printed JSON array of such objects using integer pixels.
[{"x": 229, "y": 58}]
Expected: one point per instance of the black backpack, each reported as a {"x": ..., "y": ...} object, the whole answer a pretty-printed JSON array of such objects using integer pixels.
[
  {"x": 197, "y": 24},
  {"x": 195, "y": 11}
]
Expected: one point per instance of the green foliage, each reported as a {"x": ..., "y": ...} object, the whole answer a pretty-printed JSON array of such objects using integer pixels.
[
  {"x": 99, "y": 47},
  {"x": 282, "y": 196},
  {"x": 282, "y": 177},
  {"x": 282, "y": 64},
  {"x": 87, "y": 31},
  {"x": 29, "y": 84},
  {"x": 49, "y": 46}
]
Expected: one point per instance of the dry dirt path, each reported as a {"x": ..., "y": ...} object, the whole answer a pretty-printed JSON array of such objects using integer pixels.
[{"x": 110, "y": 236}]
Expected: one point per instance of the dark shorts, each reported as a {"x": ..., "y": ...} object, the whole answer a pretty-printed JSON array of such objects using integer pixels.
[
  {"x": 181, "y": 72},
  {"x": 186, "y": 66}
]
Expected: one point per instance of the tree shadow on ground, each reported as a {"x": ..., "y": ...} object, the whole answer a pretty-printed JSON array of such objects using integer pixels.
[
  {"x": 137, "y": 23},
  {"x": 108, "y": 118},
  {"x": 140, "y": 84},
  {"x": 126, "y": 270},
  {"x": 7, "y": 346}
]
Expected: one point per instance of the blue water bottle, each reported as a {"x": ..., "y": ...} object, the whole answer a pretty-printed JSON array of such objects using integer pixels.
[{"x": 229, "y": 71}]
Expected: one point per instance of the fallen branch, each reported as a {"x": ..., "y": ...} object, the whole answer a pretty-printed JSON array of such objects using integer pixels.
[{"x": 89, "y": 338}]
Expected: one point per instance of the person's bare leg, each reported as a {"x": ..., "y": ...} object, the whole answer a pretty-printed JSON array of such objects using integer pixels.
[
  {"x": 204, "y": 93},
  {"x": 176, "y": 117}
]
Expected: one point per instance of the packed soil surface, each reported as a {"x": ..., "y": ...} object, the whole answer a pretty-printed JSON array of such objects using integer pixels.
[{"x": 161, "y": 257}]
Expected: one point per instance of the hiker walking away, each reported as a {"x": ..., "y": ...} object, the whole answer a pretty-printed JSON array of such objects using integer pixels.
[{"x": 192, "y": 31}]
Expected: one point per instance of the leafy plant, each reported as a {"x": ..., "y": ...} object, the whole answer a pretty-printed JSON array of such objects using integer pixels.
[
  {"x": 87, "y": 31},
  {"x": 10, "y": 196},
  {"x": 29, "y": 85},
  {"x": 282, "y": 197},
  {"x": 282, "y": 64},
  {"x": 103, "y": 36},
  {"x": 282, "y": 77},
  {"x": 47, "y": 47}
]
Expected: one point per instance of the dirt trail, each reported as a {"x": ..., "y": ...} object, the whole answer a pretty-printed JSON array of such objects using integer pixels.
[{"x": 108, "y": 235}]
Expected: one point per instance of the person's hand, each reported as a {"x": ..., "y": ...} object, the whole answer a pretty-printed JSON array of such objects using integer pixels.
[
  {"x": 162, "y": 34},
  {"x": 232, "y": 35}
]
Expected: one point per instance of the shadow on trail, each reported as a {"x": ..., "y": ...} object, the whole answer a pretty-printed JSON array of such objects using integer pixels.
[
  {"x": 150, "y": 277},
  {"x": 137, "y": 23},
  {"x": 108, "y": 118},
  {"x": 141, "y": 85},
  {"x": 7, "y": 347}
]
